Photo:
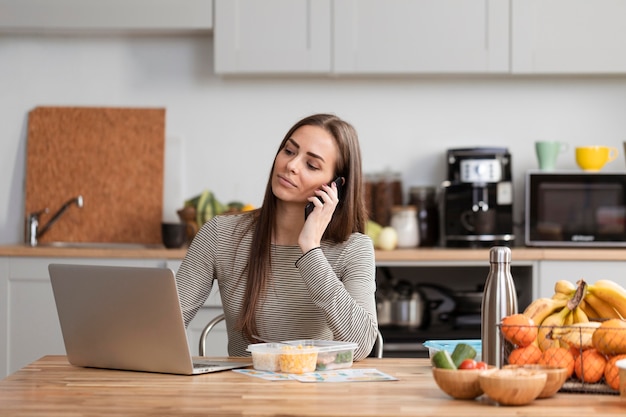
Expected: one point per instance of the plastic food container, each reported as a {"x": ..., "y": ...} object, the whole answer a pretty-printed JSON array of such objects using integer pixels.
[
  {"x": 297, "y": 359},
  {"x": 265, "y": 356},
  {"x": 283, "y": 357},
  {"x": 331, "y": 354},
  {"x": 436, "y": 345}
]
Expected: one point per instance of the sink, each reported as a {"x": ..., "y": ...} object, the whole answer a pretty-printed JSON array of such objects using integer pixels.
[{"x": 101, "y": 245}]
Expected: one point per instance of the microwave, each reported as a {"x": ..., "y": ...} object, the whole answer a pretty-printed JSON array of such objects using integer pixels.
[{"x": 581, "y": 209}]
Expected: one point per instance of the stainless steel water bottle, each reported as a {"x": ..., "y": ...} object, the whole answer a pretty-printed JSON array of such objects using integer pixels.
[{"x": 499, "y": 301}]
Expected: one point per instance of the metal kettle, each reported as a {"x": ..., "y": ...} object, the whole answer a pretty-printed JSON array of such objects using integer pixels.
[
  {"x": 410, "y": 307},
  {"x": 407, "y": 309}
]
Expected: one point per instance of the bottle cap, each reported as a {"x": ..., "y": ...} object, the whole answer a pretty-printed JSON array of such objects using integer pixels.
[{"x": 499, "y": 254}]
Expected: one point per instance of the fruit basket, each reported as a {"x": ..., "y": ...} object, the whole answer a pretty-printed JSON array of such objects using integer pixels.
[
  {"x": 580, "y": 328},
  {"x": 590, "y": 360}
]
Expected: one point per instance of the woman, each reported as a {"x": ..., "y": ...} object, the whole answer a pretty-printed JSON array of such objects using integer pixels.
[{"x": 284, "y": 278}]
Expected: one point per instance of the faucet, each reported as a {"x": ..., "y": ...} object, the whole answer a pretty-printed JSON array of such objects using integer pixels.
[{"x": 32, "y": 222}]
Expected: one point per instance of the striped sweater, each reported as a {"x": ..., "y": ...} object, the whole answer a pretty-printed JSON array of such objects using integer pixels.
[{"x": 327, "y": 293}]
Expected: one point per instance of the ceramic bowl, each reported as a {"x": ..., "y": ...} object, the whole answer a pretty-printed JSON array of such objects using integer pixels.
[
  {"x": 461, "y": 384},
  {"x": 556, "y": 377},
  {"x": 513, "y": 386}
]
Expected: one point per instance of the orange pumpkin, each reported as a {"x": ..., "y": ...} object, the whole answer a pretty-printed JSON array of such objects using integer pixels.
[
  {"x": 611, "y": 371},
  {"x": 589, "y": 366},
  {"x": 610, "y": 337},
  {"x": 558, "y": 357}
]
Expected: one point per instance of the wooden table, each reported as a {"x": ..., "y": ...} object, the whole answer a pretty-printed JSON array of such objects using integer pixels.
[{"x": 52, "y": 387}]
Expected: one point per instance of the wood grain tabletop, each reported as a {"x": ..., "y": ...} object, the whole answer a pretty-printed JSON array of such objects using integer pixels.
[{"x": 51, "y": 387}]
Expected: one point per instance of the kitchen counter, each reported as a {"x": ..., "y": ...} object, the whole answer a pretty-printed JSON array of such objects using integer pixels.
[
  {"x": 394, "y": 256},
  {"x": 52, "y": 387},
  {"x": 92, "y": 252}
]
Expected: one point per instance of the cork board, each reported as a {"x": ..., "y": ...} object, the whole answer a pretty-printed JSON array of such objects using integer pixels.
[{"x": 113, "y": 157}]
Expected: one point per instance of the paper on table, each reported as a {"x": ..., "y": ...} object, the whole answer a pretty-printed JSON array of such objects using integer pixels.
[
  {"x": 267, "y": 375},
  {"x": 339, "y": 375}
]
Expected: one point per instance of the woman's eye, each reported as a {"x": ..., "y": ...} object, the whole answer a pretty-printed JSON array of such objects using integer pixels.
[
  {"x": 288, "y": 151},
  {"x": 313, "y": 167}
]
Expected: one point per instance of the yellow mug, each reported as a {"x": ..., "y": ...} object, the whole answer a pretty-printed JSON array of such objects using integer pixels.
[{"x": 593, "y": 158}]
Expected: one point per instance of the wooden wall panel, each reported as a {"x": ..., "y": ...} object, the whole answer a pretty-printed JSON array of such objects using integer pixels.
[{"x": 113, "y": 157}]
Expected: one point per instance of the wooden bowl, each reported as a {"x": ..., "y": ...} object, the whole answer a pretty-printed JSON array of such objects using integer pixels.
[
  {"x": 517, "y": 386},
  {"x": 556, "y": 377},
  {"x": 461, "y": 384}
]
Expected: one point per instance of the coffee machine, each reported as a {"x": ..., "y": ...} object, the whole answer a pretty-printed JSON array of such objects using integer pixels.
[{"x": 477, "y": 198}]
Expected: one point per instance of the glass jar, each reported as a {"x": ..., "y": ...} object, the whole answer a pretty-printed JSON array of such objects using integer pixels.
[
  {"x": 404, "y": 221},
  {"x": 424, "y": 199},
  {"x": 387, "y": 193}
]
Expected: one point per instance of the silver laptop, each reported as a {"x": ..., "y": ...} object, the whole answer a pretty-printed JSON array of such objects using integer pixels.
[{"x": 126, "y": 318}]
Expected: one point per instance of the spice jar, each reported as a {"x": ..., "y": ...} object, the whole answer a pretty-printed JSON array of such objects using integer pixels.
[
  {"x": 424, "y": 199},
  {"x": 404, "y": 221}
]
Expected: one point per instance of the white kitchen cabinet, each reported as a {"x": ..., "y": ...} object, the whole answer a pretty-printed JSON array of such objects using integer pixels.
[
  {"x": 28, "y": 316},
  {"x": 361, "y": 36},
  {"x": 568, "y": 36},
  {"x": 420, "y": 36},
  {"x": 96, "y": 15},
  {"x": 552, "y": 271},
  {"x": 272, "y": 36}
]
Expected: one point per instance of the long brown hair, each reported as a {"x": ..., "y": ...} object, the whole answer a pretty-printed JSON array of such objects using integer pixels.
[{"x": 349, "y": 216}]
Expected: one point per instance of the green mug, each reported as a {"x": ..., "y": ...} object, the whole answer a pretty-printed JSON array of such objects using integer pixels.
[{"x": 548, "y": 152}]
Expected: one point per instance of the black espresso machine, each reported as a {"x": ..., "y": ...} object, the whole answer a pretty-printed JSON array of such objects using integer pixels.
[{"x": 477, "y": 198}]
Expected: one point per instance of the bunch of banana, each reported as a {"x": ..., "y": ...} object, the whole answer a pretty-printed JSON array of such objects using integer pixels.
[
  {"x": 604, "y": 299},
  {"x": 561, "y": 310},
  {"x": 578, "y": 335},
  {"x": 611, "y": 294}
]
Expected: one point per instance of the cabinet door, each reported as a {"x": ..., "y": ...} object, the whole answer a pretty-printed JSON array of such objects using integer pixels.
[
  {"x": 568, "y": 36},
  {"x": 552, "y": 271},
  {"x": 272, "y": 36},
  {"x": 29, "y": 312},
  {"x": 421, "y": 36},
  {"x": 43, "y": 15}
]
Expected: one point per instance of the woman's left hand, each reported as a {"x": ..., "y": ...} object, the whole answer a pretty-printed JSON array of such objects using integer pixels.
[{"x": 317, "y": 222}]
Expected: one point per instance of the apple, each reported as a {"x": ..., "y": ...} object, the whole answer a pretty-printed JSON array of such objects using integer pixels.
[{"x": 387, "y": 238}]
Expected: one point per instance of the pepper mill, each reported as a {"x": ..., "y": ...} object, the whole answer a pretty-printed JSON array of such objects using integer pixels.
[{"x": 499, "y": 301}]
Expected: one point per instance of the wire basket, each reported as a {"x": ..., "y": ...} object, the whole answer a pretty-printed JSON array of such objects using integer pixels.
[{"x": 589, "y": 372}]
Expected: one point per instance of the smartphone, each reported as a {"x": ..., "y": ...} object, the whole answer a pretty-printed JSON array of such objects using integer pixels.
[{"x": 339, "y": 181}]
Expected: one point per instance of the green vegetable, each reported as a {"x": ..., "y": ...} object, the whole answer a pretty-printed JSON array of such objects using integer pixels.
[
  {"x": 207, "y": 206},
  {"x": 343, "y": 357},
  {"x": 461, "y": 352},
  {"x": 442, "y": 359}
]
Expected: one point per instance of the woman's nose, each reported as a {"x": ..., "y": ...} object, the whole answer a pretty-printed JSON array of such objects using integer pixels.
[{"x": 292, "y": 165}]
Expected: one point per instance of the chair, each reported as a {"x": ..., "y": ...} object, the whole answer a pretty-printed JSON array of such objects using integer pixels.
[
  {"x": 205, "y": 332},
  {"x": 378, "y": 345}
]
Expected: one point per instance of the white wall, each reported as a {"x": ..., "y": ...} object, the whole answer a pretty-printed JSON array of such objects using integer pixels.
[{"x": 229, "y": 128}]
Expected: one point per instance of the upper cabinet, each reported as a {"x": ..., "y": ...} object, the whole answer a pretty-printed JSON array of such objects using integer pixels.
[
  {"x": 361, "y": 36},
  {"x": 105, "y": 15},
  {"x": 272, "y": 36},
  {"x": 568, "y": 36},
  {"x": 420, "y": 36},
  {"x": 336, "y": 37}
]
